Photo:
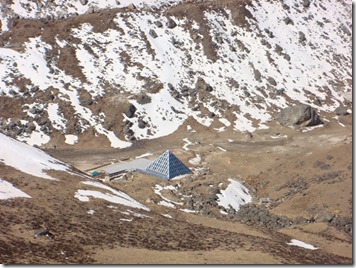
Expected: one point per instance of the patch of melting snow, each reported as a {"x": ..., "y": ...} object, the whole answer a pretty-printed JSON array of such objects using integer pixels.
[
  {"x": 187, "y": 143},
  {"x": 234, "y": 195},
  {"x": 35, "y": 138},
  {"x": 57, "y": 119},
  {"x": 189, "y": 128},
  {"x": 337, "y": 120},
  {"x": 115, "y": 196},
  {"x": 221, "y": 129},
  {"x": 179, "y": 177},
  {"x": 165, "y": 202},
  {"x": 126, "y": 219},
  {"x": 307, "y": 129},
  {"x": 91, "y": 211},
  {"x": 167, "y": 216},
  {"x": 188, "y": 210},
  {"x": 196, "y": 160},
  {"x": 31, "y": 160},
  {"x": 143, "y": 155},
  {"x": 7, "y": 191},
  {"x": 139, "y": 215},
  {"x": 225, "y": 122},
  {"x": 279, "y": 136},
  {"x": 222, "y": 149},
  {"x": 71, "y": 139},
  {"x": 298, "y": 243}
]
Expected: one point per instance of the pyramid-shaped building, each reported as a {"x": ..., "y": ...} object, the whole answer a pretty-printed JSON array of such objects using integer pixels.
[{"x": 167, "y": 166}]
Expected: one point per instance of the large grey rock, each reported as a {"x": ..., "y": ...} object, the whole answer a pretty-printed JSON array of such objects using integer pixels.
[
  {"x": 43, "y": 232},
  {"x": 306, "y": 3},
  {"x": 171, "y": 23},
  {"x": 299, "y": 115},
  {"x": 201, "y": 85},
  {"x": 141, "y": 123},
  {"x": 143, "y": 99},
  {"x": 341, "y": 110},
  {"x": 158, "y": 24},
  {"x": 130, "y": 111},
  {"x": 131, "y": 7},
  {"x": 84, "y": 2},
  {"x": 153, "y": 33}
]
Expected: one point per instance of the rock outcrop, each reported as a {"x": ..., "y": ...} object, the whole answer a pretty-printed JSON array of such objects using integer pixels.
[{"x": 299, "y": 115}]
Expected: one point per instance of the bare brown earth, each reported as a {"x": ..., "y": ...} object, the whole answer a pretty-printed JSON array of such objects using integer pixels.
[
  {"x": 321, "y": 159},
  {"x": 305, "y": 174}
]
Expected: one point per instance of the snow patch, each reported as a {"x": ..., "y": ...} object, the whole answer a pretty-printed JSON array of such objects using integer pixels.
[
  {"x": 196, "y": 160},
  {"x": 57, "y": 119},
  {"x": 115, "y": 196},
  {"x": 7, "y": 191},
  {"x": 298, "y": 243},
  {"x": 71, "y": 139},
  {"x": 234, "y": 195},
  {"x": 187, "y": 143},
  {"x": 143, "y": 155},
  {"x": 28, "y": 159},
  {"x": 91, "y": 211}
]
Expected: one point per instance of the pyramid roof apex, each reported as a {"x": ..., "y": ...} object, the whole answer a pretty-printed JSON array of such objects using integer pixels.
[{"x": 167, "y": 166}]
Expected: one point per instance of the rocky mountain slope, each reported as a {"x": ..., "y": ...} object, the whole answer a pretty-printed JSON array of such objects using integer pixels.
[{"x": 120, "y": 72}]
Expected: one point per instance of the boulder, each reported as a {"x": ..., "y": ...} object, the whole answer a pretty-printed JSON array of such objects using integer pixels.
[
  {"x": 271, "y": 81},
  {"x": 341, "y": 110},
  {"x": 43, "y": 232},
  {"x": 143, "y": 99},
  {"x": 170, "y": 87},
  {"x": 288, "y": 21},
  {"x": 347, "y": 98},
  {"x": 324, "y": 217},
  {"x": 30, "y": 127},
  {"x": 158, "y": 24},
  {"x": 153, "y": 33},
  {"x": 192, "y": 91},
  {"x": 130, "y": 111},
  {"x": 131, "y": 7},
  {"x": 202, "y": 85},
  {"x": 84, "y": 2},
  {"x": 44, "y": 121},
  {"x": 299, "y": 115},
  {"x": 211, "y": 114},
  {"x": 90, "y": 10},
  {"x": 306, "y": 3},
  {"x": 141, "y": 123},
  {"x": 86, "y": 102},
  {"x": 302, "y": 37},
  {"x": 171, "y": 23}
]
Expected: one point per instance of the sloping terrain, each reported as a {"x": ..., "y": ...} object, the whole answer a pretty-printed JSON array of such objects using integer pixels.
[
  {"x": 74, "y": 219},
  {"x": 91, "y": 83},
  {"x": 123, "y": 74}
]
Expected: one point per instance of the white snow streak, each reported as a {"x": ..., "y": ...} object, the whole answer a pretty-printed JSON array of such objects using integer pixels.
[
  {"x": 7, "y": 191},
  {"x": 28, "y": 159},
  {"x": 298, "y": 243},
  {"x": 115, "y": 196}
]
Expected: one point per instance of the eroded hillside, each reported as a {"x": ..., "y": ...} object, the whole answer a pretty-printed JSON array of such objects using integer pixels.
[{"x": 128, "y": 73}]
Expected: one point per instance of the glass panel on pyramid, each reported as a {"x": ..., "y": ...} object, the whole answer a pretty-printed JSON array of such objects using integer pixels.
[{"x": 167, "y": 166}]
